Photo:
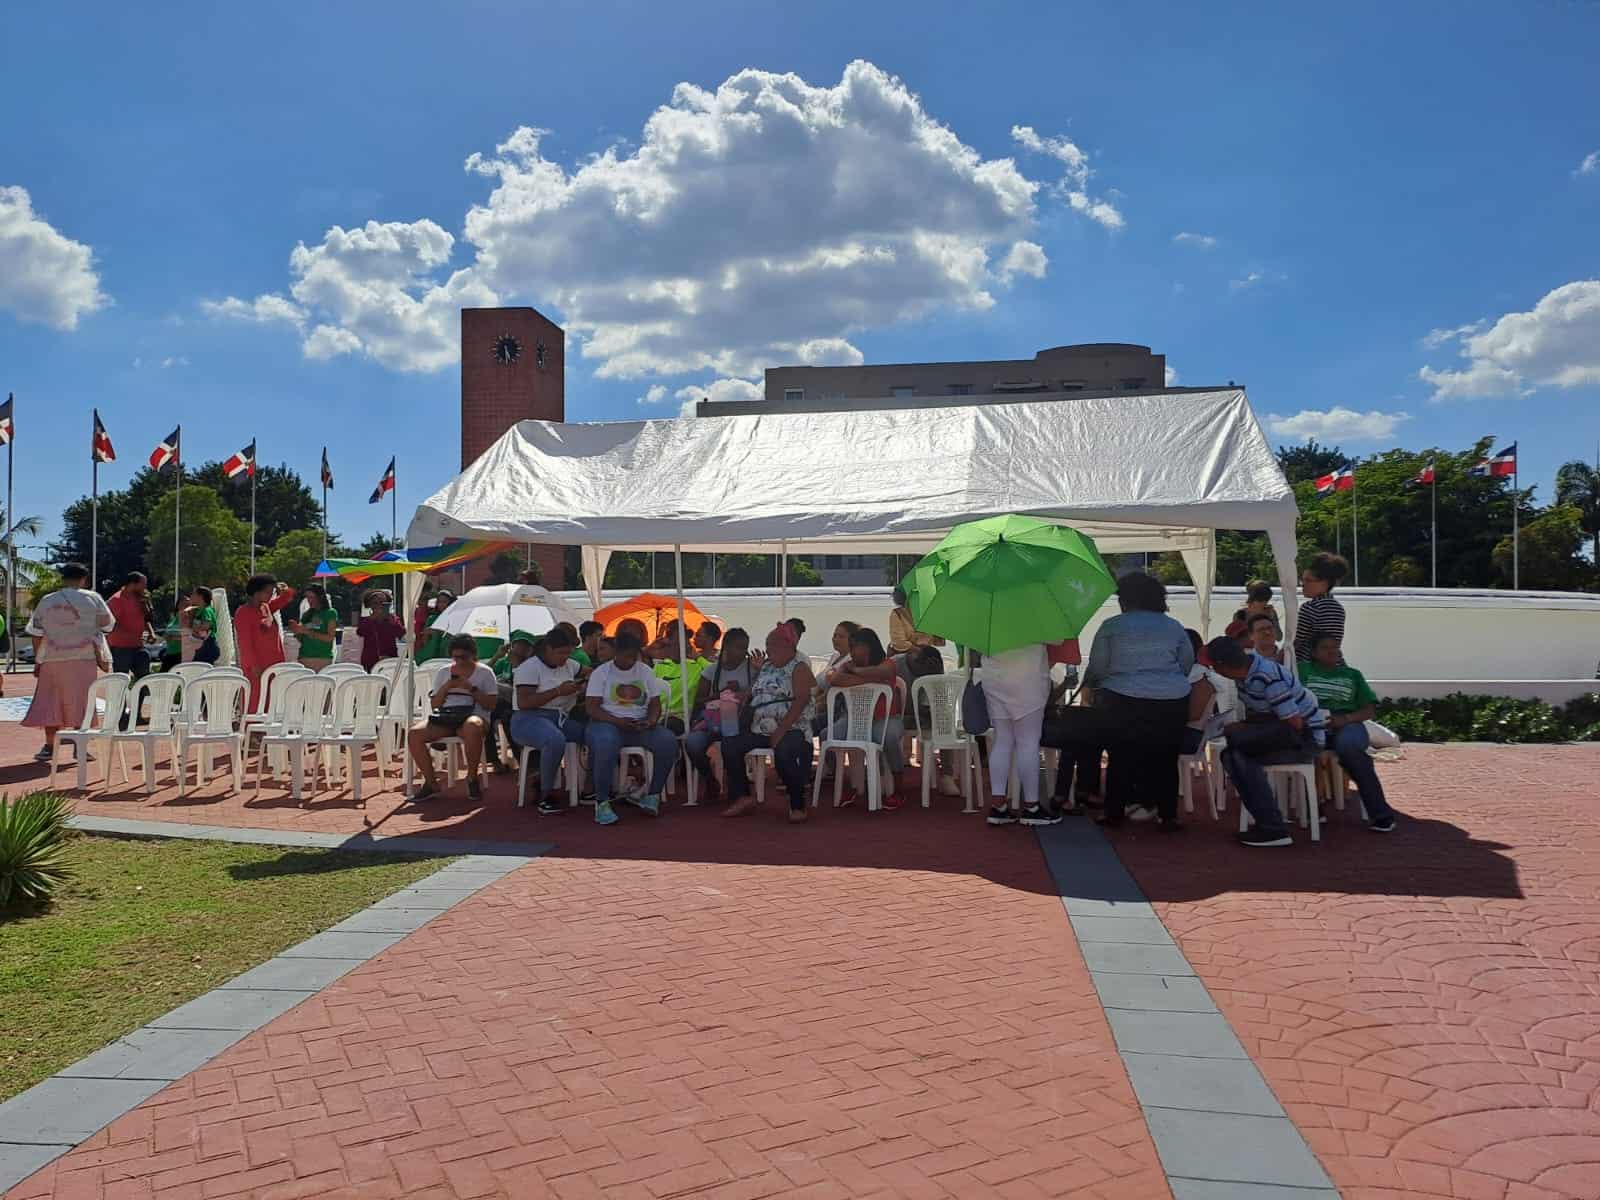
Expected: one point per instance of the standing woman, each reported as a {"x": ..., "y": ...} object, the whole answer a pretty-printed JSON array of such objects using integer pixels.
[
  {"x": 316, "y": 628},
  {"x": 1321, "y": 615},
  {"x": 1016, "y": 685},
  {"x": 255, "y": 629},
  {"x": 1139, "y": 670},
  {"x": 68, "y": 630}
]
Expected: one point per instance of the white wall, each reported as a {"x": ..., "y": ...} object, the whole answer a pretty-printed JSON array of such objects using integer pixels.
[{"x": 1544, "y": 644}]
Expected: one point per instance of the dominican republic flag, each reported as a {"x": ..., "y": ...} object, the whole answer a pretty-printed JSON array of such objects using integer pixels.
[
  {"x": 1341, "y": 480},
  {"x": 241, "y": 463},
  {"x": 100, "y": 449},
  {"x": 7, "y": 427},
  {"x": 1426, "y": 474},
  {"x": 1497, "y": 465},
  {"x": 327, "y": 471},
  {"x": 168, "y": 453},
  {"x": 385, "y": 485}
]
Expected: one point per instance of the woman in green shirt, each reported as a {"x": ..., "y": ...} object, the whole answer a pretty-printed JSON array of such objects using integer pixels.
[
  {"x": 316, "y": 629},
  {"x": 1350, "y": 700}
]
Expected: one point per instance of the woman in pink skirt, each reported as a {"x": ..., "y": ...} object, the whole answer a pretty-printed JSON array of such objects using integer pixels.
[{"x": 68, "y": 630}]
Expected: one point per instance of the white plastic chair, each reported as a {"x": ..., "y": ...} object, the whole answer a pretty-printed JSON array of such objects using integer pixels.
[
  {"x": 943, "y": 732},
  {"x": 357, "y": 710},
  {"x": 160, "y": 693},
  {"x": 1190, "y": 765},
  {"x": 272, "y": 684},
  {"x": 647, "y": 764},
  {"x": 1290, "y": 780},
  {"x": 189, "y": 671},
  {"x": 435, "y": 665},
  {"x": 213, "y": 710},
  {"x": 858, "y": 704},
  {"x": 571, "y": 770},
  {"x": 343, "y": 670},
  {"x": 306, "y": 703},
  {"x": 386, "y": 665},
  {"x": 108, "y": 697}
]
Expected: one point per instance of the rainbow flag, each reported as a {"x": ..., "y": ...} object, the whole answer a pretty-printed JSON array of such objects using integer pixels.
[{"x": 418, "y": 558}]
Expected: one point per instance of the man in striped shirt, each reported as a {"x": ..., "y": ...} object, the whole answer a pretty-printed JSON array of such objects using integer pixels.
[{"x": 1284, "y": 724}]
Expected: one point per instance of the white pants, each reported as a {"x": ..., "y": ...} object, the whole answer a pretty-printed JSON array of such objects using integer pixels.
[{"x": 1016, "y": 740}]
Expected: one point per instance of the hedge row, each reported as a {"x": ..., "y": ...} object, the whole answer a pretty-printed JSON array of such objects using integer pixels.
[{"x": 1459, "y": 717}]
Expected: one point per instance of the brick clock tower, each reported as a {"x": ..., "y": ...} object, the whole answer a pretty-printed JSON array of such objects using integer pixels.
[{"x": 512, "y": 370}]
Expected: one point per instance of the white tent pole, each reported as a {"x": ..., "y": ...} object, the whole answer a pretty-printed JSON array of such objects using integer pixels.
[
  {"x": 683, "y": 664},
  {"x": 1283, "y": 545},
  {"x": 783, "y": 582}
]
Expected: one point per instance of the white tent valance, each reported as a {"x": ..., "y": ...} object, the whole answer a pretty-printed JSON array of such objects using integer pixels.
[{"x": 1147, "y": 472}]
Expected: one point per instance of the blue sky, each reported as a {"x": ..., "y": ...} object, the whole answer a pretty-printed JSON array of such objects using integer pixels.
[{"x": 1355, "y": 178}]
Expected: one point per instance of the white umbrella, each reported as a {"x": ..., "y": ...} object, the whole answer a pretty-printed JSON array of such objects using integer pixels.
[{"x": 497, "y": 610}]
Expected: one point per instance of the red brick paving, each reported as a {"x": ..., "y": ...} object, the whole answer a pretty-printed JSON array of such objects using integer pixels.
[
  {"x": 757, "y": 1010},
  {"x": 1426, "y": 1005}
]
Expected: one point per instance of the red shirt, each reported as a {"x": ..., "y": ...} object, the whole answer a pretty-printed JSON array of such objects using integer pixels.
[
  {"x": 380, "y": 638},
  {"x": 128, "y": 610},
  {"x": 259, "y": 639}
]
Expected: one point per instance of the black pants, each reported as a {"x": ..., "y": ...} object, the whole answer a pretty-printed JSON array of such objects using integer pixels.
[
  {"x": 792, "y": 757},
  {"x": 1142, "y": 739},
  {"x": 135, "y": 662},
  {"x": 1078, "y": 733}
]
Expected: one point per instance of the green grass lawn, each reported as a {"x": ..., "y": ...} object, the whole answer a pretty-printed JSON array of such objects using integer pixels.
[{"x": 144, "y": 926}]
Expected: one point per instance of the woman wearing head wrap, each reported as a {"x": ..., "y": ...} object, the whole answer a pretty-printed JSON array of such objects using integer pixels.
[{"x": 780, "y": 710}]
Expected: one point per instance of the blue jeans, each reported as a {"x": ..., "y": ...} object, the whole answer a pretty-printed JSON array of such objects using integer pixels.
[
  {"x": 605, "y": 745},
  {"x": 1350, "y": 744},
  {"x": 543, "y": 730},
  {"x": 696, "y": 746},
  {"x": 1255, "y": 790}
]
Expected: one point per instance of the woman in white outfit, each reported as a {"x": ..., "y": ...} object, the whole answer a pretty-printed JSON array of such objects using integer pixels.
[{"x": 1016, "y": 684}]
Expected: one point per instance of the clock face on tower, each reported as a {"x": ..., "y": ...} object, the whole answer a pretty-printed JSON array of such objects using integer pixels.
[{"x": 507, "y": 349}]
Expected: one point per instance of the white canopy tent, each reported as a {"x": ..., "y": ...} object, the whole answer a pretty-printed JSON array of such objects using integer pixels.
[{"x": 1136, "y": 473}]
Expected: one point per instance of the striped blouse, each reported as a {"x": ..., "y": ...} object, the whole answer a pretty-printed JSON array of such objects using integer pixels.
[{"x": 1320, "y": 615}]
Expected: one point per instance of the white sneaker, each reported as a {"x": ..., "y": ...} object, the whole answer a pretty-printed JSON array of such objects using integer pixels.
[
  {"x": 948, "y": 786},
  {"x": 1139, "y": 813}
]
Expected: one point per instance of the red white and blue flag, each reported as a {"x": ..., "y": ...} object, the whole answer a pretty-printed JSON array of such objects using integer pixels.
[
  {"x": 241, "y": 462},
  {"x": 327, "y": 471},
  {"x": 1425, "y": 475},
  {"x": 7, "y": 426},
  {"x": 1341, "y": 480},
  {"x": 100, "y": 448},
  {"x": 385, "y": 485},
  {"x": 1501, "y": 465},
  {"x": 168, "y": 453}
]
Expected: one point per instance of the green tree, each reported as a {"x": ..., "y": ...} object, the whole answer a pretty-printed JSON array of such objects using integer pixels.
[
  {"x": 215, "y": 543},
  {"x": 1301, "y": 464},
  {"x": 283, "y": 502},
  {"x": 1578, "y": 484},
  {"x": 293, "y": 558},
  {"x": 124, "y": 529},
  {"x": 1549, "y": 556},
  {"x": 505, "y": 567},
  {"x": 371, "y": 548}
]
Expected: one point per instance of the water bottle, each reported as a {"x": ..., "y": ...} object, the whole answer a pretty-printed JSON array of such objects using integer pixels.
[{"x": 729, "y": 703}]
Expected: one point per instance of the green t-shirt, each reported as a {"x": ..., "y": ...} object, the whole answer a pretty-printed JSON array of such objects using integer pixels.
[
  {"x": 667, "y": 671},
  {"x": 582, "y": 659},
  {"x": 206, "y": 616},
  {"x": 1337, "y": 689},
  {"x": 317, "y": 640},
  {"x": 174, "y": 637}
]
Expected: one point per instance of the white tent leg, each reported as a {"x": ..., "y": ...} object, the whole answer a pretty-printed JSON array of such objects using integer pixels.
[
  {"x": 410, "y": 592},
  {"x": 1283, "y": 552},
  {"x": 683, "y": 670},
  {"x": 1202, "y": 565},
  {"x": 783, "y": 582},
  {"x": 594, "y": 560}
]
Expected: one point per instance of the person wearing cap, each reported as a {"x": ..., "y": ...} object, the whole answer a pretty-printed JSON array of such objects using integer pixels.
[
  {"x": 781, "y": 706},
  {"x": 547, "y": 689}
]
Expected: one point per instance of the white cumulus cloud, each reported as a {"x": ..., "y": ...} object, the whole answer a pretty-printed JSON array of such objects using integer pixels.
[
  {"x": 1336, "y": 425},
  {"x": 1171, "y": 376},
  {"x": 656, "y": 394},
  {"x": 1201, "y": 241},
  {"x": 174, "y": 360},
  {"x": 1554, "y": 344},
  {"x": 45, "y": 276},
  {"x": 765, "y": 220},
  {"x": 717, "y": 389},
  {"x": 1590, "y": 164},
  {"x": 1246, "y": 281}
]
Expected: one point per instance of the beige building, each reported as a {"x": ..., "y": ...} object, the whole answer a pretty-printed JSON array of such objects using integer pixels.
[{"x": 1098, "y": 367}]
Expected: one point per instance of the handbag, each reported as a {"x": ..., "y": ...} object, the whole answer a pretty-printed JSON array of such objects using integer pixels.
[
  {"x": 450, "y": 718},
  {"x": 975, "y": 709}
]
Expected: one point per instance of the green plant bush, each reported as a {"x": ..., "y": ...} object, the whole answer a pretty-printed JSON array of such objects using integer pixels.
[
  {"x": 1460, "y": 717},
  {"x": 33, "y": 834}
]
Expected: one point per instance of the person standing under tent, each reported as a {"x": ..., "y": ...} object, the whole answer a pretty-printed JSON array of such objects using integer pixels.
[
  {"x": 780, "y": 709},
  {"x": 1321, "y": 613},
  {"x": 317, "y": 628},
  {"x": 1016, "y": 685},
  {"x": 255, "y": 629},
  {"x": 68, "y": 630},
  {"x": 1139, "y": 670},
  {"x": 624, "y": 709}
]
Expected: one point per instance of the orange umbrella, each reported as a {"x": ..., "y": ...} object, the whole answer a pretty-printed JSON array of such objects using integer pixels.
[{"x": 651, "y": 610}]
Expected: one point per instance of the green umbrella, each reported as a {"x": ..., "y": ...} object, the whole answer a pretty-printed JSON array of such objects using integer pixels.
[{"x": 1006, "y": 582}]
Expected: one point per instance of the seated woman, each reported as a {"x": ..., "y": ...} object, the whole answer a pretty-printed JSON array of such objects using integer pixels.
[
  {"x": 780, "y": 711},
  {"x": 677, "y": 676},
  {"x": 1349, "y": 698},
  {"x": 903, "y": 635},
  {"x": 730, "y": 673},
  {"x": 624, "y": 709},
  {"x": 869, "y": 664},
  {"x": 464, "y": 694},
  {"x": 547, "y": 687},
  {"x": 842, "y": 632}
]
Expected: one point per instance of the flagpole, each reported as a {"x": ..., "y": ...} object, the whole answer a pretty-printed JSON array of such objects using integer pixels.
[
  {"x": 325, "y": 505},
  {"x": 1516, "y": 556},
  {"x": 252, "y": 469},
  {"x": 1355, "y": 525},
  {"x": 177, "y": 525},
  {"x": 11, "y": 560},
  {"x": 94, "y": 524},
  {"x": 394, "y": 511}
]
